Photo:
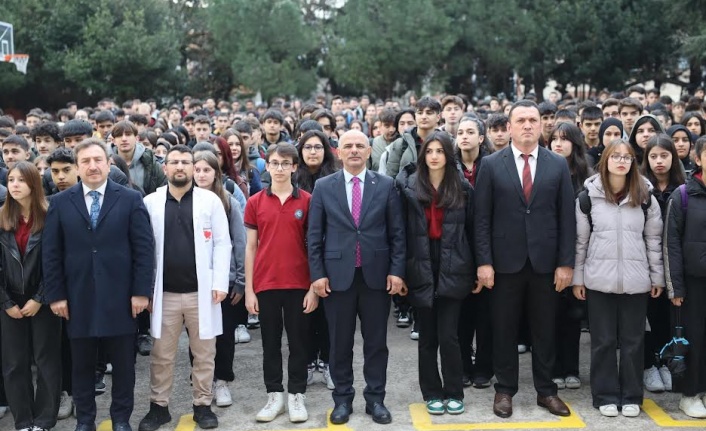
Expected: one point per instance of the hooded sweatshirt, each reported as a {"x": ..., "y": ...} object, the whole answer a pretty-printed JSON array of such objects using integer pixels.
[
  {"x": 639, "y": 152},
  {"x": 689, "y": 165},
  {"x": 597, "y": 151}
]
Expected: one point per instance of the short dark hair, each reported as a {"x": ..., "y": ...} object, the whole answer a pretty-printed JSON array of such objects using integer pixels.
[
  {"x": 522, "y": 104},
  {"x": 178, "y": 149},
  {"x": 22, "y": 130},
  {"x": 105, "y": 116},
  {"x": 7, "y": 121},
  {"x": 139, "y": 119},
  {"x": 188, "y": 117},
  {"x": 272, "y": 114},
  {"x": 46, "y": 128},
  {"x": 591, "y": 113},
  {"x": 76, "y": 128},
  {"x": 91, "y": 142},
  {"x": 610, "y": 102},
  {"x": 16, "y": 140},
  {"x": 243, "y": 127},
  {"x": 387, "y": 116},
  {"x": 308, "y": 108},
  {"x": 202, "y": 119},
  {"x": 283, "y": 149},
  {"x": 547, "y": 108},
  {"x": 666, "y": 100},
  {"x": 654, "y": 91},
  {"x": 452, "y": 99},
  {"x": 61, "y": 155},
  {"x": 427, "y": 102},
  {"x": 567, "y": 113},
  {"x": 630, "y": 102},
  {"x": 700, "y": 146},
  {"x": 122, "y": 127},
  {"x": 497, "y": 120},
  {"x": 637, "y": 89}
]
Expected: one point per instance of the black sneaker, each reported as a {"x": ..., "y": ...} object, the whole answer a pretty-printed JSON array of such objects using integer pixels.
[
  {"x": 155, "y": 418},
  {"x": 144, "y": 344},
  {"x": 404, "y": 321},
  {"x": 100, "y": 384},
  {"x": 467, "y": 382},
  {"x": 205, "y": 418}
]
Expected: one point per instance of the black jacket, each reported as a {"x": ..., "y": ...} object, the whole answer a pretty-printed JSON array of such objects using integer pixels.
[
  {"x": 457, "y": 272},
  {"x": 21, "y": 275},
  {"x": 685, "y": 238}
]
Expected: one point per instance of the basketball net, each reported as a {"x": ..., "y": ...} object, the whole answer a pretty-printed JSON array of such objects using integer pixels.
[{"x": 19, "y": 60}]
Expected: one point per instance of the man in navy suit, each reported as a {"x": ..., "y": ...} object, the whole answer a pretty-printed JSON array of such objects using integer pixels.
[
  {"x": 525, "y": 245},
  {"x": 356, "y": 245},
  {"x": 98, "y": 262}
]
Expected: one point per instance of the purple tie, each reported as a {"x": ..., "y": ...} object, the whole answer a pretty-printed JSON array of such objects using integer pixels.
[{"x": 355, "y": 212}]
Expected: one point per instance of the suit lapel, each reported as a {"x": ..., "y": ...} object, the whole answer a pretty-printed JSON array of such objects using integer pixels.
[
  {"x": 371, "y": 183},
  {"x": 80, "y": 202},
  {"x": 509, "y": 160},
  {"x": 340, "y": 191},
  {"x": 112, "y": 194},
  {"x": 542, "y": 157}
]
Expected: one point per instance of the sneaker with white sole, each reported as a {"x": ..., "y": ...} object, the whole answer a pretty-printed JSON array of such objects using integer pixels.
[
  {"x": 327, "y": 378},
  {"x": 222, "y": 393},
  {"x": 253, "y": 321},
  {"x": 414, "y": 335},
  {"x": 242, "y": 335},
  {"x": 296, "y": 408},
  {"x": 631, "y": 410},
  {"x": 522, "y": 348},
  {"x": 692, "y": 407},
  {"x": 572, "y": 382},
  {"x": 310, "y": 373},
  {"x": 454, "y": 407},
  {"x": 560, "y": 383},
  {"x": 666, "y": 377},
  {"x": 3, "y": 411},
  {"x": 609, "y": 410},
  {"x": 66, "y": 406},
  {"x": 653, "y": 381},
  {"x": 273, "y": 408}
]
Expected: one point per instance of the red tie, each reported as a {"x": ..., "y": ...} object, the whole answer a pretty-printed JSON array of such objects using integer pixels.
[
  {"x": 356, "y": 200},
  {"x": 527, "y": 178}
]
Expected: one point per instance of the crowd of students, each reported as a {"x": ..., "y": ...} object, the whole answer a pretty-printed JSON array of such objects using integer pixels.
[{"x": 604, "y": 195}]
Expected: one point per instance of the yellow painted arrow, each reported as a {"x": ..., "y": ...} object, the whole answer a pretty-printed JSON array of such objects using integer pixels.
[{"x": 661, "y": 418}]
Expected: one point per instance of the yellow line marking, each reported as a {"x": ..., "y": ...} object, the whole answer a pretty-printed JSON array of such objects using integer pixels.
[
  {"x": 421, "y": 420},
  {"x": 186, "y": 423},
  {"x": 329, "y": 426},
  {"x": 105, "y": 426},
  {"x": 661, "y": 418}
]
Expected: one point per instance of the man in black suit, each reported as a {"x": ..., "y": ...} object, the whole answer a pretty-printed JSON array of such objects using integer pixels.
[
  {"x": 356, "y": 244},
  {"x": 525, "y": 245}
]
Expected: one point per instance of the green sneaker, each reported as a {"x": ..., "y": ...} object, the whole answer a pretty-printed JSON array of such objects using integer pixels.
[
  {"x": 454, "y": 407},
  {"x": 435, "y": 407}
]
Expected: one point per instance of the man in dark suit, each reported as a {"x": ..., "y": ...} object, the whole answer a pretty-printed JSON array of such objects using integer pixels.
[
  {"x": 98, "y": 261},
  {"x": 525, "y": 245},
  {"x": 357, "y": 260}
]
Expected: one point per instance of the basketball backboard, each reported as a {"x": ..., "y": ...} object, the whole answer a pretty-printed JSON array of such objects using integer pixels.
[{"x": 7, "y": 43}]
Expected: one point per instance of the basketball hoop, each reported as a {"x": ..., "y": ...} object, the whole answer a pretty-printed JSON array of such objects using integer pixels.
[{"x": 19, "y": 60}]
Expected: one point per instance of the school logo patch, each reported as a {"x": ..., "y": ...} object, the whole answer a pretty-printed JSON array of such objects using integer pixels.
[{"x": 298, "y": 214}]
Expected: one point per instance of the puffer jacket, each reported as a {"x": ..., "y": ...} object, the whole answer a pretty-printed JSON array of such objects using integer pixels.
[
  {"x": 457, "y": 272},
  {"x": 623, "y": 254},
  {"x": 403, "y": 152},
  {"x": 21, "y": 275}
]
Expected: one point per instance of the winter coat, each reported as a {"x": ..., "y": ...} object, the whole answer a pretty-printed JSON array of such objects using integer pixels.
[
  {"x": 21, "y": 275},
  {"x": 403, "y": 152},
  {"x": 457, "y": 271},
  {"x": 623, "y": 253}
]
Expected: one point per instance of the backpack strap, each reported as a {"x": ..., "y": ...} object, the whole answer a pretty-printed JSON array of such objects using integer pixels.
[
  {"x": 684, "y": 198},
  {"x": 646, "y": 206},
  {"x": 585, "y": 206}
]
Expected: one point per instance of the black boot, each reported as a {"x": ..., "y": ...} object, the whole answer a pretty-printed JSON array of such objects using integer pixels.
[
  {"x": 205, "y": 418},
  {"x": 155, "y": 418}
]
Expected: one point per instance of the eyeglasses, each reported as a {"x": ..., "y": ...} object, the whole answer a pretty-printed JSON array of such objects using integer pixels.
[
  {"x": 618, "y": 158},
  {"x": 283, "y": 165},
  {"x": 179, "y": 162},
  {"x": 313, "y": 148}
]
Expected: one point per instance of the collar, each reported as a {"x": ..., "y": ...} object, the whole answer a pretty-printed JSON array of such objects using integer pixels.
[
  {"x": 295, "y": 191},
  {"x": 517, "y": 153},
  {"x": 188, "y": 193},
  {"x": 348, "y": 176},
  {"x": 100, "y": 189}
]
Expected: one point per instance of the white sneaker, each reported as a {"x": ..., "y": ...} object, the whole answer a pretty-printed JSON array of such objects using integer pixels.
[
  {"x": 327, "y": 378},
  {"x": 610, "y": 410},
  {"x": 310, "y": 373},
  {"x": 692, "y": 407},
  {"x": 3, "y": 411},
  {"x": 296, "y": 407},
  {"x": 560, "y": 383},
  {"x": 242, "y": 335},
  {"x": 666, "y": 377},
  {"x": 631, "y": 410},
  {"x": 414, "y": 335},
  {"x": 653, "y": 381},
  {"x": 222, "y": 393},
  {"x": 253, "y": 321},
  {"x": 273, "y": 408},
  {"x": 66, "y": 406},
  {"x": 521, "y": 348},
  {"x": 573, "y": 382}
]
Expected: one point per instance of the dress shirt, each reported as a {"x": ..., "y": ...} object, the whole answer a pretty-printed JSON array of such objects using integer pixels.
[
  {"x": 520, "y": 161},
  {"x": 349, "y": 187},
  {"x": 89, "y": 199}
]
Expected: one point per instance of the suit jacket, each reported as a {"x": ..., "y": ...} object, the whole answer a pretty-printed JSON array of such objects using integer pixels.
[
  {"x": 98, "y": 271},
  {"x": 332, "y": 233},
  {"x": 510, "y": 230}
]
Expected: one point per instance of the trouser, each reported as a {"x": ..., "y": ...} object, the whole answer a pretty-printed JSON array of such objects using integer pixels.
[
  {"x": 84, "y": 352},
  {"x": 26, "y": 341},
  {"x": 319, "y": 344},
  {"x": 613, "y": 317},
  {"x": 179, "y": 309},
  {"x": 513, "y": 293},
  {"x": 658, "y": 314},
  {"x": 475, "y": 320},
  {"x": 225, "y": 343},
  {"x": 66, "y": 380},
  {"x": 438, "y": 334},
  {"x": 568, "y": 336},
  {"x": 241, "y": 313},
  {"x": 278, "y": 308},
  {"x": 693, "y": 316},
  {"x": 143, "y": 323}
]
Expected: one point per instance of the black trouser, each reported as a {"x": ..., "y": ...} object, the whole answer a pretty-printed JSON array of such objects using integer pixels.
[
  {"x": 143, "y": 323},
  {"x": 402, "y": 303},
  {"x": 278, "y": 307},
  {"x": 319, "y": 344},
  {"x": 568, "y": 335},
  {"x": 693, "y": 318},
  {"x": 373, "y": 308},
  {"x": 438, "y": 335},
  {"x": 225, "y": 343},
  {"x": 475, "y": 319},
  {"x": 84, "y": 352},
  {"x": 3, "y": 397},
  {"x": 241, "y": 313},
  {"x": 26, "y": 341},
  {"x": 66, "y": 363},
  {"x": 613, "y": 317},
  {"x": 658, "y": 314},
  {"x": 511, "y": 294}
]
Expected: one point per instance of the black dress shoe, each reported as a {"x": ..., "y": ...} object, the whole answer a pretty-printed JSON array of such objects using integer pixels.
[
  {"x": 379, "y": 413},
  {"x": 205, "y": 418},
  {"x": 121, "y": 426},
  {"x": 340, "y": 414},
  {"x": 85, "y": 427},
  {"x": 144, "y": 344},
  {"x": 155, "y": 418}
]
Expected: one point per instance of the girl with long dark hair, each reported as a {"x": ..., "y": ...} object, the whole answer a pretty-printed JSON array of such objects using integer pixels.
[
  {"x": 242, "y": 163},
  {"x": 567, "y": 140}
]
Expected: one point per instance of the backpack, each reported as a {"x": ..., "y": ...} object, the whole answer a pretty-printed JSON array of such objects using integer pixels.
[
  {"x": 684, "y": 197},
  {"x": 585, "y": 206}
]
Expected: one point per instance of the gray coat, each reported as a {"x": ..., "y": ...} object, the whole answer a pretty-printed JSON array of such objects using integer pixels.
[{"x": 623, "y": 254}]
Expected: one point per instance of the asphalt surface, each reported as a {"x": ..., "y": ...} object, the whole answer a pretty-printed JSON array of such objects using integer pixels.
[{"x": 403, "y": 399}]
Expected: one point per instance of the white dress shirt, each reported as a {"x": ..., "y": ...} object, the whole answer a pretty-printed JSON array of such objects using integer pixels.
[
  {"x": 349, "y": 186},
  {"x": 520, "y": 161},
  {"x": 89, "y": 199}
]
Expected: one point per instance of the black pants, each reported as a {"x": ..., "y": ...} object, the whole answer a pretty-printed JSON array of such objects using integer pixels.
[
  {"x": 568, "y": 336},
  {"x": 143, "y": 323},
  {"x": 278, "y": 307},
  {"x": 373, "y": 308},
  {"x": 616, "y": 316},
  {"x": 225, "y": 343},
  {"x": 513, "y": 293},
  {"x": 658, "y": 314},
  {"x": 693, "y": 317},
  {"x": 3, "y": 398},
  {"x": 66, "y": 363},
  {"x": 26, "y": 341},
  {"x": 438, "y": 335},
  {"x": 319, "y": 344},
  {"x": 475, "y": 320},
  {"x": 121, "y": 350}
]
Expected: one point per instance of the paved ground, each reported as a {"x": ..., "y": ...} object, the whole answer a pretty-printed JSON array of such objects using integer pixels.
[{"x": 403, "y": 399}]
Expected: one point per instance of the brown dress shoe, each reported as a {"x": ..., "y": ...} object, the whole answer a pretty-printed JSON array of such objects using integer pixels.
[
  {"x": 502, "y": 406},
  {"x": 555, "y": 405}
]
